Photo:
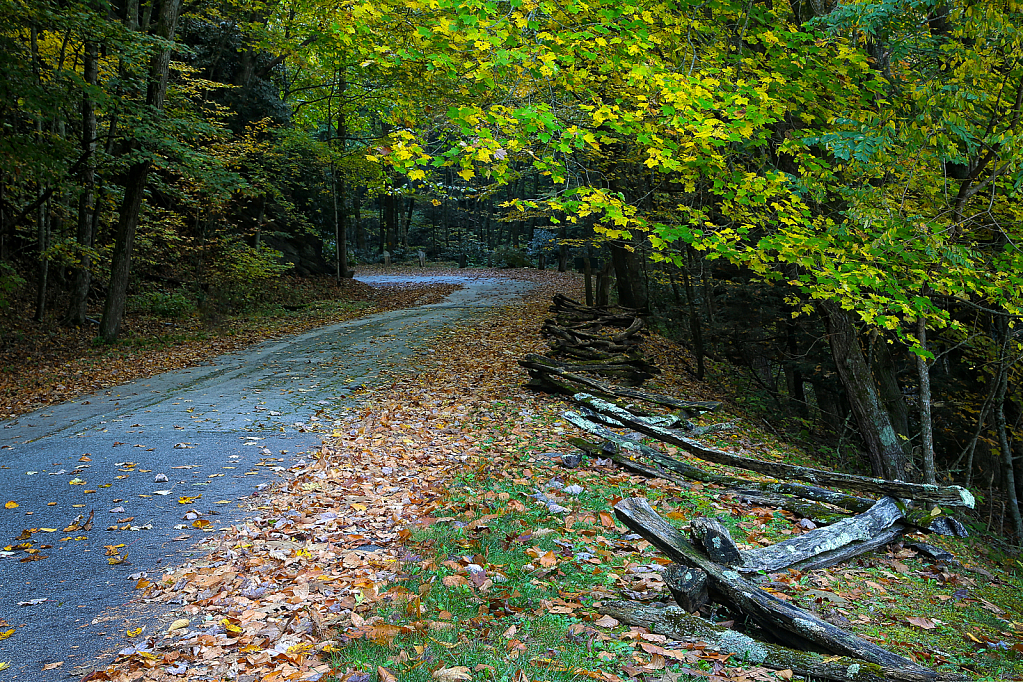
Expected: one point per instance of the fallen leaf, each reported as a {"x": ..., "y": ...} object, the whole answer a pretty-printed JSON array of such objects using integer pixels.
[
  {"x": 921, "y": 622},
  {"x": 385, "y": 675},
  {"x": 452, "y": 674},
  {"x": 606, "y": 621},
  {"x": 6, "y": 633},
  {"x": 53, "y": 666},
  {"x": 178, "y": 624},
  {"x": 11, "y": 505}
]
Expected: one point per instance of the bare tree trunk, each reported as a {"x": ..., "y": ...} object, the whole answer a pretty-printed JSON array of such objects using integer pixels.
[
  {"x": 1008, "y": 469},
  {"x": 85, "y": 235},
  {"x": 631, "y": 293},
  {"x": 882, "y": 366},
  {"x": 926, "y": 430},
  {"x": 138, "y": 174},
  {"x": 588, "y": 272},
  {"x": 887, "y": 458},
  {"x": 695, "y": 324},
  {"x": 42, "y": 237}
]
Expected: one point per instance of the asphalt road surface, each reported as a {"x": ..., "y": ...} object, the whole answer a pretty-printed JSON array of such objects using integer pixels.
[{"x": 130, "y": 453}]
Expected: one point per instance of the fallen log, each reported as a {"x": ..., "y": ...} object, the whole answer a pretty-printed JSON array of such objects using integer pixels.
[
  {"x": 817, "y": 513},
  {"x": 687, "y": 585},
  {"x": 664, "y": 421},
  {"x": 675, "y": 623},
  {"x": 740, "y": 485},
  {"x": 791, "y": 625},
  {"x": 793, "y": 497},
  {"x": 954, "y": 496},
  {"x": 712, "y": 538},
  {"x": 829, "y": 545},
  {"x": 551, "y": 366}
]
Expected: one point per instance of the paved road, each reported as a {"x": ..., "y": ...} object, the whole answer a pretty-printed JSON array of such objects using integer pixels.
[{"x": 215, "y": 431}]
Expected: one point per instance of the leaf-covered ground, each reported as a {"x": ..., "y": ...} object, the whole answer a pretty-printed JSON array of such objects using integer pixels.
[
  {"x": 416, "y": 546},
  {"x": 43, "y": 364}
]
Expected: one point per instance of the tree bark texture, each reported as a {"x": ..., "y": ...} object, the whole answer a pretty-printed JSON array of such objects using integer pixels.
[
  {"x": 831, "y": 544},
  {"x": 887, "y": 458}
]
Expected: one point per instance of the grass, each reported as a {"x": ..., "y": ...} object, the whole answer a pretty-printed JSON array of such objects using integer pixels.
[{"x": 496, "y": 587}]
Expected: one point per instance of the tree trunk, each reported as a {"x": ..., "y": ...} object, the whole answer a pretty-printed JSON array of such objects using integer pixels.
[
  {"x": 887, "y": 458},
  {"x": 43, "y": 238},
  {"x": 408, "y": 222},
  {"x": 588, "y": 274},
  {"x": 628, "y": 277},
  {"x": 695, "y": 324},
  {"x": 926, "y": 431},
  {"x": 1008, "y": 469},
  {"x": 883, "y": 368},
  {"x": 138, "y": 174},
  {"x": 360, "y": 232}
]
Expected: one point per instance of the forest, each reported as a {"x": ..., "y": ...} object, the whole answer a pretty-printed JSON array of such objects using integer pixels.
[{"x": 823, "y": 194}]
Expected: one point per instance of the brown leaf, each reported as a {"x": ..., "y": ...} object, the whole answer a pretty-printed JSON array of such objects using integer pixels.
[
  {"x": 921, "y": 622},
  {"x": 606, "y": 621},
  {"x": 455, "y": 674},
  {"x": 385, "y": 675}
]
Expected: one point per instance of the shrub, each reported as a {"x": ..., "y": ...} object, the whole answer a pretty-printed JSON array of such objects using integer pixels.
[{"x": 172, "y": 305}]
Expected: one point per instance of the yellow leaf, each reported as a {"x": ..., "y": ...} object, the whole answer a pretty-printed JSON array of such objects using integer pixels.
[
  {"x": 134, "y": 633},
  {"x": 299, "y": 649},
  {"x": 11, "y": 505},
  {"x": 417, "y": 174},
  {"x": 178, "y": 624},
  {"x": 466, "y": 174},
  {"x": 4, "y": 665},
  {"x": 359, "y": 506},
  {"x": 6, "y": 634},
  {"x": 188, "y": 500}
]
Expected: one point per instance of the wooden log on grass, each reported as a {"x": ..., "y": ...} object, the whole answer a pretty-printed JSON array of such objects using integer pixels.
[
  {"x": 676, "y": 623},
  {"x": 830, "y": 545},
  {"x": 786, "y": 622},
  {"x": 953, "y": 496},
  {"x": 712, "y": 538},
  {"x": 849, "y": 502},
  {"x": 687, "y": 585},
  {"x": 551, "y": 367}
]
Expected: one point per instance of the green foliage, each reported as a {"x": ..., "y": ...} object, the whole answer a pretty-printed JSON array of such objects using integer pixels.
[
  {"x": 173, "y": 305},
  {"x": 509, "y": 257},
  {"x": 241, "y": 273}
]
